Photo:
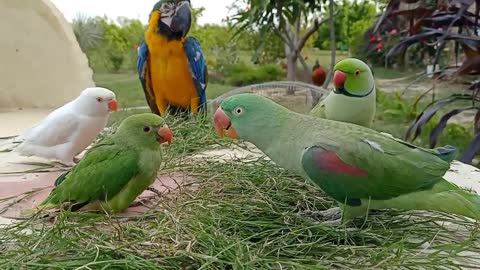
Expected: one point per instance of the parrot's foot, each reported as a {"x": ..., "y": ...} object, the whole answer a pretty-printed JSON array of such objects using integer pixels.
[
  {"x": 332, "y": 214},
  {"x": 334, "y": 222},
  {"x": 154, "y": 190},
  {"x": 66, "y": 163},
  {"x": 76, "y": 160}
]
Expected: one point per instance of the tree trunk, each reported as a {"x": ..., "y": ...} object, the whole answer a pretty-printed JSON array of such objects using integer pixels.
[
  {"x": 333, "y": 47},
  {"x": 292, "y": 67},
  {"x": 291, "y": 70}
]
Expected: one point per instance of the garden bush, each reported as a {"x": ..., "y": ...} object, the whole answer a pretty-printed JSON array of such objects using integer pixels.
[{"x": 241, "y": 74}]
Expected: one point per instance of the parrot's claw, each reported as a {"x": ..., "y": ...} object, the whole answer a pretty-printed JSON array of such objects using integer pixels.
[
  {"x": 334, "y": 222},
  {"x": 154, "y": 190},
  {"x": 76, "y": 160},
  {"x": 329, "y": 215},
  {"x": 67, "y": 163}
]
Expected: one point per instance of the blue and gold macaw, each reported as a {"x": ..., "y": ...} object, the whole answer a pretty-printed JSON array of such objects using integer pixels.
[{"x": 171, "y": 66}]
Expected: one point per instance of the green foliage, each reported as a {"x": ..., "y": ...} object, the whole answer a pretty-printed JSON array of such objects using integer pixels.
[
  {"x": 288, "y": 20},
  {"x": 395, "y": 113},
  {"x": 217, "y": 45},
  {"x": 88, "y": 31},
  {"x": 115, "y": 48},
  {"x": 241, "y": 74},
  {"x": 353, "y": 19},
  {"x": 268, "y": 47},
  {"x": 265, "y": 13}
]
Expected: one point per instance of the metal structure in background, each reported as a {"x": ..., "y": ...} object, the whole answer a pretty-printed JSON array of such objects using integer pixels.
[{"x": 316, "y": 93}]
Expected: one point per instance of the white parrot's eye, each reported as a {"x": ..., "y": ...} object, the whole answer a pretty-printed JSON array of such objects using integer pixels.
[
  {"x": 99, "y": 99},
  {"x": 146, "y": 128},
  {"x": 238, "y": 111}
]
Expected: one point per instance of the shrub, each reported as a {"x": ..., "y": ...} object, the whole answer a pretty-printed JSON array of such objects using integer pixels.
[{"x": 241, "y": 74}]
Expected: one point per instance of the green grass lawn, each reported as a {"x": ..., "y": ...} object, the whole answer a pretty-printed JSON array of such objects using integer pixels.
[{"x": 129, "y": 91}]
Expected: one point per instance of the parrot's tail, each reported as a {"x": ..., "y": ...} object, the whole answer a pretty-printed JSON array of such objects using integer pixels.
[
  {"x": 444, "y": 197},
  {"x": 447, "y": 152}
]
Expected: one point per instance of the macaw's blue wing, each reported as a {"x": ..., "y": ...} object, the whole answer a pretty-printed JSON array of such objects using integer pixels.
[
  {"x": 144, "y": 76},
  {"x": 198, "y": 68}
]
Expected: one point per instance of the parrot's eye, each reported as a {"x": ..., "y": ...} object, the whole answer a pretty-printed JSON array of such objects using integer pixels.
[
  {"x": 146, "y": 128},
  {"x": 99, "y": 99},
  {"x": 238, "y": 111},
  {"x": 357, "y": 72}
]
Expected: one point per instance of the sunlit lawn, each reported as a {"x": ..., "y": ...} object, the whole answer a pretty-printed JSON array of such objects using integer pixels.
[{"x": 129, "y": 91}]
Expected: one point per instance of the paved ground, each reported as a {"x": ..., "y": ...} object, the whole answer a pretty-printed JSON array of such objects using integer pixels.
[{"x": 15, "y": 121}]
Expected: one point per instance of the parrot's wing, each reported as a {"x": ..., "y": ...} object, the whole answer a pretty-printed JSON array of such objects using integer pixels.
[
  {"x": 198, "y": 67},
  {"x": 446, "y": 152},
  {"x": 58, "y": 128},
  {"x": 101, "y": 174},
  {"x": 145, "y": 76},
  {"x": 363, "y": 169}
]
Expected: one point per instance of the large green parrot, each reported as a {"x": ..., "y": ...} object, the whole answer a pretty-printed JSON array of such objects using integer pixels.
[
  {"x": 353, "y": 97},
  {"x": 360, "y": 168},
  {"x": 116, "y": 170}
]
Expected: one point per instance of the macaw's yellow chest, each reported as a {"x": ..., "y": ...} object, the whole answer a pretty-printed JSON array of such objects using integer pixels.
[{"x": 171, "y": 79}]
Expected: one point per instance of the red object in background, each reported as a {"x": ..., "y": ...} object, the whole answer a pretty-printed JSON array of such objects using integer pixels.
[
  {"x": 283, "y": 66},
  {"x": 394, "y": 31},
  {"x": 372, "y": 39},
  {"x": 380, "y": 45},
  {"x": 318, "y": 74}
]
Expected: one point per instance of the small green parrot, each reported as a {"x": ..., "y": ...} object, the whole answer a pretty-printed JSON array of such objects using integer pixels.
[
  {"x": 353, "y": 99},
  {"x": 359, "y": 167},
  {"x": 116, "y": 170}
]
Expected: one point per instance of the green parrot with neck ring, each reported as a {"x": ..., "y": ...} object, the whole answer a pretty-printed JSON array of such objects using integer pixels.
[{"x": 353, "y": 98}]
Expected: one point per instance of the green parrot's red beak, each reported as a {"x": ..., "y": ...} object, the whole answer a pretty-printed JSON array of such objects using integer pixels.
[
  {"x": 339, "y": 79},
  {"x": 164, "y": 135},
  {"x": 223, "y": 125}
]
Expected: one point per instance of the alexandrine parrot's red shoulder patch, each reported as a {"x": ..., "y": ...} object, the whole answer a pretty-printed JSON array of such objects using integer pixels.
[{"x": 317, "y": 158}]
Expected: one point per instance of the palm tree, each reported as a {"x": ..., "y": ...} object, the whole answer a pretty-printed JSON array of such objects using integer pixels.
[{"x": 88, "y": 31}]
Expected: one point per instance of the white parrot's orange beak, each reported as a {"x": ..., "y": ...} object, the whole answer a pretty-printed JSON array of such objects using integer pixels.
[
  {"x": 165, "y": 135},
  {"x": 113, "y": 105}
]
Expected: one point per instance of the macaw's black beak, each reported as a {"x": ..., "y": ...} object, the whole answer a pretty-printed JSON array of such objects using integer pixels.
[{"x": 182, "y": 20}]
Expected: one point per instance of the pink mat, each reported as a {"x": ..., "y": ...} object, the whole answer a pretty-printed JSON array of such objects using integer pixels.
[{"x": 27, "y": 191}]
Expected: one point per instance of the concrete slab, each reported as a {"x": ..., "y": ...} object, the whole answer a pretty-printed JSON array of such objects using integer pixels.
[
  {"x": 18, "y": 193},
  {"x": 15, "y": 121}
]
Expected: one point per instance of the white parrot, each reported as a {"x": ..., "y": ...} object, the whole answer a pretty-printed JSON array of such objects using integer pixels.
[{"x": 68, "y": 130}]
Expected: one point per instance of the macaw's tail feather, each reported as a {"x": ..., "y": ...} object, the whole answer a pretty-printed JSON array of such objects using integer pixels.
[{"x": 444, "y": 197}]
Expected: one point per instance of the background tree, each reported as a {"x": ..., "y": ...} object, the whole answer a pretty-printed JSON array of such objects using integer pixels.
[
  {"x": 333, "y": 50},
  {"x": 352, "y": 21},
  {"x": 88, "y": 31},
  {"x": 294, "y": 21}
]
